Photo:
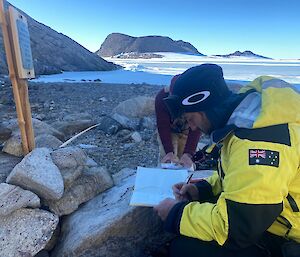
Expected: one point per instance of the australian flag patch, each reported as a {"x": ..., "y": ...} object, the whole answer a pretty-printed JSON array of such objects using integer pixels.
[{"x": 263, "y": 157}]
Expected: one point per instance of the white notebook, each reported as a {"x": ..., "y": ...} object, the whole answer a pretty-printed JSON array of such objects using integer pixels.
[{"x": 152, "y": 185}]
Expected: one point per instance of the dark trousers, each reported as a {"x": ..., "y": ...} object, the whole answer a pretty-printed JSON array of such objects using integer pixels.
[{"x": 270, "y": 246}]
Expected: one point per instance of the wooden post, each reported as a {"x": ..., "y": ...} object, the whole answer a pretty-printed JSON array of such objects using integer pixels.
[
  {"x": 20, "y": 88},
  {"x": 27, "y": 113}
]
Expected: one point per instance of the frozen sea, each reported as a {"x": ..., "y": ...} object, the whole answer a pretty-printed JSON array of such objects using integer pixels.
[{"x": 159, "y": 71}]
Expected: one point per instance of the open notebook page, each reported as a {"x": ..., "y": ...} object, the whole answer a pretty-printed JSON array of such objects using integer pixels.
[{"x": 152, "y": 185}]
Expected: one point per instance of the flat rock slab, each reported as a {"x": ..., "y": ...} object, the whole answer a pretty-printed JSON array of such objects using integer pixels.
[
  {"x": 14, "y": 198},
  {"x": 26, "y": 232},
  {"x": 108, "y": 226}
]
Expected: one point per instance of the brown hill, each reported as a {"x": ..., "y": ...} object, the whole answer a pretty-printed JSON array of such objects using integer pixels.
[
  {"x": 117, "y": 43},
  {"x": 54, "y": 52}
]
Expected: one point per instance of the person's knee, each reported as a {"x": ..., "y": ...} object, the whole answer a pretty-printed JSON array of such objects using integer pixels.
[{"x": 191, "y": 247}]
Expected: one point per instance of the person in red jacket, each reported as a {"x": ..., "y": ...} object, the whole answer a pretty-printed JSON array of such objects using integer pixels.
[{"x": 177, "y": 143}]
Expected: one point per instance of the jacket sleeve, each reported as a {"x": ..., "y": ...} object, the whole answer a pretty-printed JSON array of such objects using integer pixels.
[
  {"x": 163, "y": 121},
  {"x": 250, "y": 202}
]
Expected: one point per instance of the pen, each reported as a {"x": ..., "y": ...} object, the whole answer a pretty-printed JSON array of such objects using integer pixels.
[
  {"x": 189, "y": 178},
  {"x": 187, "y": 181}
]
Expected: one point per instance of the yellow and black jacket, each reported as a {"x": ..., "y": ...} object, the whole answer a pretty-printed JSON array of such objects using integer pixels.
[{"x": 258, "y": 177}]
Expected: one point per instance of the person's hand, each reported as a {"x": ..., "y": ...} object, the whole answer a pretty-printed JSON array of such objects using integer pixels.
[
  {"x": 164, "y": 207},
  {"x": 186, "y": 160},
  {"x": 183, "y": 191},
  {"x": 170, "y": 157}
]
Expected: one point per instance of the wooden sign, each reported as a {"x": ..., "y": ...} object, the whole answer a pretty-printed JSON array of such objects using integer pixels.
[
  {"x": 19, "y": 61},
  {"x": 21, "y": 43}
]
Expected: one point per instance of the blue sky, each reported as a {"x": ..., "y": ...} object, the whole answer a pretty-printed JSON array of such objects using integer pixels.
[{"x": 267, "y": 27}]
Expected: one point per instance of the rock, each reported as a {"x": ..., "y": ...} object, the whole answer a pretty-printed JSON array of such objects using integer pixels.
[
  {"x": 13, "y": 146},
  {"x": 69, "y": 157},
  {"x": 70, "y": 161},
  {"x": 87, "y": 186},
  {"x": 54, "y": 238},
  {"x": 126, "y": 122},
  {"x": 108, "y": 226},
  {"x": 87, "y": 146},
  {"x": 26, "y": 232},
  {"x": 136, "y": 137},
  {"x": 39, "y": 128},
  {"x": 37, "y": 173},
  {"x": 7, "y": 163},
  {"x": 78, "y": 116},
  {"x": 47, "y": 141},
  {"x": 72, "y": 127},
  {"x": 5, "y": 133},
  {"x": 42, "y": 253},
  {"x": 147, "y": 123},
  {"x": 137, "y": 107},
  {"x": 122, "y": 175},
  {"x": 109, "y": 126},
  {"x": 129, "y": 145},
  {"x": 40, "y": 116},
  {"x": 124, "y": 134},
  {"x": 14, "y": 198},
  {"x": 91, "y": 163},
  {"x": 102, "y": 99}
]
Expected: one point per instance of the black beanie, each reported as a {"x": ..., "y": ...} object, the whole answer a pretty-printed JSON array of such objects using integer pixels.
[{"x": 199, "y": 88}]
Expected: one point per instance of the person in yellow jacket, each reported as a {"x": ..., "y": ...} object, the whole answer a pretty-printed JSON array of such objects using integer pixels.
[{"x": 251, "y": 205}]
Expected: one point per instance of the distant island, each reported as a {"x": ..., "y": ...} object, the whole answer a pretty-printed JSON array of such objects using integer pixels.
[
  {"x": 135, "y": 55},
  {"x": 123, "y": 46},
  {"x": 246, "y": 53},
  {"x": 117, "y": 43}
]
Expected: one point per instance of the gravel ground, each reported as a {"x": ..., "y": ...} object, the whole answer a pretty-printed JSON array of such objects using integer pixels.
[{"x": 50, "y": 102}]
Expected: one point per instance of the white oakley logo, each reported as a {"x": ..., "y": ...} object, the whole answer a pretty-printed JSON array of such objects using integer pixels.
[{"x": 186, "y": 101}]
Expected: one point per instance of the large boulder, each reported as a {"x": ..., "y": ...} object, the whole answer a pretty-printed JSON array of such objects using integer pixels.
[
  {"x": 37, "y": 173},
  {"x": 92, "y": 182},
  {"x": 137, "y": 107},
  {"x": 74, "y": 123},
  {"x": 108, "y": 226},
  {"x": 13, "y": 146},
  {"x": 25, "y": 232}
]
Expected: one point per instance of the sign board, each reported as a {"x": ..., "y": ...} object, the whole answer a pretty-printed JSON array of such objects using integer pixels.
[{"x": 21, "y": 43}]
